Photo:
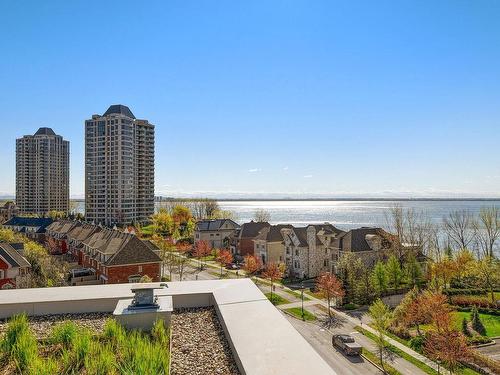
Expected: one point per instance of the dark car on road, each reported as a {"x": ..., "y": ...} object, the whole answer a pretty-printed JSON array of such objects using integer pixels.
[{"x": 347, "y": 344}]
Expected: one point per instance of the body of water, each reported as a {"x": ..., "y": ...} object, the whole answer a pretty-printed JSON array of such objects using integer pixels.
[
  {"x": 343, "y": 214},
  {"x": 346, "y": 214}
]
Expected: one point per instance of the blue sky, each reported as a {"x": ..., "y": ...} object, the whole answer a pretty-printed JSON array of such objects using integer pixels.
[{"x": 314, "y": 98}]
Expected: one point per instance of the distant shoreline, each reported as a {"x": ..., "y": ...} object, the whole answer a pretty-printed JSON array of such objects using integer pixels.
[{"x": 167, "y": 199}]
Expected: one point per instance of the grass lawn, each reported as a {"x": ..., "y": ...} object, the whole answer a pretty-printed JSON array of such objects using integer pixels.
[
  {"x": 399, "y": 352},
  {"x": 375, "y": 359},
  {"x": 297, "y": 312},
  {"x": 490, "y": 322},
  {"x": 409, "y": 358},
  {"x": 277, "y": 300}
]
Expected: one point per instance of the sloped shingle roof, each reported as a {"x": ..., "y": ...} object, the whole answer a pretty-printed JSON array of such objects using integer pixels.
[{"x": 12, "y": 256}]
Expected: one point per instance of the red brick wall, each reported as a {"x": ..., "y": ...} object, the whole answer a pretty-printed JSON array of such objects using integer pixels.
[
  {"x": 246, "y": 246},
  {"x": 3, "y": 265},
  {"x": 120, "y": 274}
]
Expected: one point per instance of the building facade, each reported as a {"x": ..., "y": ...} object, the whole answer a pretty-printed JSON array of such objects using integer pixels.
[
  {"x": 269, "y": 246},
  {"x": 119, "y": 167},
  {"x": 42, "y": 173},
  {"x": 311, "y": 250},
  {"x": 14, "y": 268},
  {"x": 242, "y": 242},
  {"x": 32, "y": 227},
  {"x": 217, "y": 233},
  {"x": 8, "y": 211},
  {"x": 117, "y": 257}
]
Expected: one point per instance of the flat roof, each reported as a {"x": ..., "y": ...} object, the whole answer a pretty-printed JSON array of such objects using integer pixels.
[{"x": 263, "y": 341}]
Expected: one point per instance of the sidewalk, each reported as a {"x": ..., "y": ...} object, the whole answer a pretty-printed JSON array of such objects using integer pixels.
[{"x": 391, "y": 341}]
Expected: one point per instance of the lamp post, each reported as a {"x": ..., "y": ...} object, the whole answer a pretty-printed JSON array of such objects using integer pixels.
[{"x": 302, "y": 298}]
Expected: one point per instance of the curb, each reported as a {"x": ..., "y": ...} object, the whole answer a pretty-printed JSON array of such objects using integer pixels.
[
  {"x": 484, "y": 345},
  {"x": 373, "y": 363}
]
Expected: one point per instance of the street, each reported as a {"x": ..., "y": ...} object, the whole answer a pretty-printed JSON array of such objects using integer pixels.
[{"x": 321, "y": 340}]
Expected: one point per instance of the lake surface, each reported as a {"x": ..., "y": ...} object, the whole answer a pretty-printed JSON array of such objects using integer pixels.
[
  {"x": 343, "y": 214},
  {"x": 346, "y": 214}
]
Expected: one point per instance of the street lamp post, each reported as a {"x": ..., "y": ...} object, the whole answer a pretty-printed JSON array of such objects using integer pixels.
[{"x": 302, "y": 298}]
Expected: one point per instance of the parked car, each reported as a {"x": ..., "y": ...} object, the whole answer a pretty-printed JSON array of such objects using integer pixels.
[
  {"x": 233, "y": 266},
  {"x": 347, "y": 344},
  {"x": 79, "y": 272}
]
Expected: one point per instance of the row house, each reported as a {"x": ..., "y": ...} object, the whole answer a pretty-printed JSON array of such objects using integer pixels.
[
  {"x": 8, "y": 211},
  {"x": 76, "y": 236},
  {"x": 242, "y": 242},
  {"x": 118, "y": 257},
  {"x": 57, "y": 235},
  {"x": 217, "y": 233},
  {"x": 14, "y": 268},
  {"x": 369, "y": 244},
  {"x": 269, "y": 245},
  {"x": 32, "y": 227},
  {"x": 311, "y": 250}
]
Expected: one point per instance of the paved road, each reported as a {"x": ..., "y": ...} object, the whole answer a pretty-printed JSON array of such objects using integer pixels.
[
  {"x": 321, "y": 340},
  {"x": 492, "y": 351}
]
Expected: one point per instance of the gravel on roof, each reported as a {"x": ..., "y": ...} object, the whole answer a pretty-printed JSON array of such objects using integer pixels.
[{"x": 199, "y": 346}]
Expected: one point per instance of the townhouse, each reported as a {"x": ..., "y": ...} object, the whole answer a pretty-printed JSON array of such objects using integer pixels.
[
  {"x": 57, "y": 235},
  {"x": 369, "y": 244},
  {"x": 269, "y": 245},
  {"x": 14, "y": 268},
  {"x": 242, "y": 242},
  {"x": 32, "y": 227},
  {"x": 217, "y": 233},
  {"x": 311, "y": 250},
  {"x": 118, "y": 257}
]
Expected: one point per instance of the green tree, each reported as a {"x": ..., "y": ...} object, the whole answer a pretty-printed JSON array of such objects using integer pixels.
[
  {"x": 381, "y": 318},
  {"x": 412, "y": 270},
  {"x": 349, "y": 270},
  {"x": 477, "y": 324},
  {"x": 162, "y": 222},
  {"x": 488, "y": 272},
  {"x": 379, "y": 278},
  {"x": 465, "y": 328},
  {"x": 394, "y": 273}
]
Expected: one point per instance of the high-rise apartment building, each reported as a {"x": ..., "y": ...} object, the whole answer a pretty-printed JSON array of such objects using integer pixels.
[
  {"x": 42, "y": 173},
  {"x": 119, "y": 167}
]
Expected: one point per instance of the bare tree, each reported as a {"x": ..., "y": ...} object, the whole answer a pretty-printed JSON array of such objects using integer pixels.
[
  {"x": 412, "y": 228},
  {"x": 261, "y": 215},
  {"x": 460, "y": 228},
  {"x": 488, "y": 230}
]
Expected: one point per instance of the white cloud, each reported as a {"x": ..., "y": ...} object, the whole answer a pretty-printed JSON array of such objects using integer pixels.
[
  {"x": 308, "y": 176},
  {"x": 253, "y": 170},
  {"x": 285, "y": 168}
]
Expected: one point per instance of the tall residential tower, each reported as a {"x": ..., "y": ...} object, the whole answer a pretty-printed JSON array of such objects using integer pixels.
[
  {"x": 119, "y": 167},
  {"x": 42, "y": 173}
]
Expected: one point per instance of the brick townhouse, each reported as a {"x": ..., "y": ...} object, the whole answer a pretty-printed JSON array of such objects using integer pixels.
[
  {"x": 56, "y": 235},
  {"x": 14, "y": 268},
  {"x": 118, "y": 257}
]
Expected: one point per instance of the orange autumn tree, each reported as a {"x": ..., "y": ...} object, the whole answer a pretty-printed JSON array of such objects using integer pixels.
[
  {"x": 427, "y": 307},
  {"x": 252, "y": 265},
  {"x": 201, "y": 249},
  {"x": 224, "y": 257},
  {"x": 273, "y": 272},
  {"x": 445, "y": 344},
  {"x": 329, "y": 287}
]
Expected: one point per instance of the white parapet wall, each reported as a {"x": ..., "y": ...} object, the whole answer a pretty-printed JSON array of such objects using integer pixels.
[{"x": 262, "y": 340}]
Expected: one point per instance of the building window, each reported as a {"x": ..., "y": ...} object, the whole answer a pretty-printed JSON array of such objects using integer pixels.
[{"x": 140, "y": 269}]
